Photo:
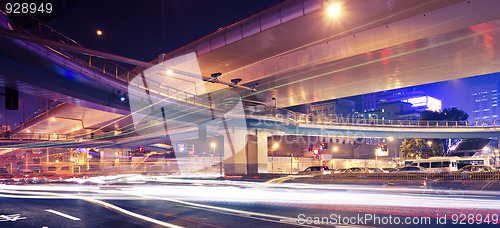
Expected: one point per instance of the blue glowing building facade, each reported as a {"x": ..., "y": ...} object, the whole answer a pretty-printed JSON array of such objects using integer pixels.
[
  {"x": 402, "y": 104},
  {"x": 485, "y": 102}
]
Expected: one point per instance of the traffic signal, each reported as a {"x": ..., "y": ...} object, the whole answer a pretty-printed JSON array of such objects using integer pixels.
[
  {"x": 383, "y": 147},
  {"x": 130, "y": 155},
  {"x": 11, "y": 99},
  {"x": 323, "y": 146},
  {"x": 202, "y": 132}
]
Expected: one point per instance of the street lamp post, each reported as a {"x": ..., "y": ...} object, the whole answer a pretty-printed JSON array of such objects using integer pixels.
[
  {"x": 275, "y": 146},
  {"x": 388, "y": 150},
  {"x": 430, "y": 147},
  {"x": 274, "y": 110},
  {"x": 213, "y": 145}
]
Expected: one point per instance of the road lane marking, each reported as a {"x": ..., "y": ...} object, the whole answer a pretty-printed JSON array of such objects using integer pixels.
[
  {"x": 63, "y": 215},
  {"x": 223, "y": 210},
  {"x": 11, "y": 218},
  {"x": 104, "y": 204},
  {"x": 139, "y": 216},
  {"x": 290, "y": 221}
]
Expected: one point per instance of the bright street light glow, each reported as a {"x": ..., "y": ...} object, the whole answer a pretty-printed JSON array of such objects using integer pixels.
[
  {"x": 213, "y": 145},
  {"x": 334, "y": 10},
  {"x": 335, "y": 149},
  {"x": 391, "y": 138},
  {"x": 170, "y": 72},
  {"x": 99, "y": 32},
  {"x": 276, "y": 145},
  {"x": 53, "y": 119}
]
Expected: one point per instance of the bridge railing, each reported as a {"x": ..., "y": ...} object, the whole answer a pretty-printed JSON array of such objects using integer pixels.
[
  {"x": 63, "y": 137},
  {"x": 163, "y": 90},
  {"x": 106, "y": 67},
  {"x": 41, "y": 136},
  {"x": 40, "y": 29},
  {"x": 261, "y": 111}
]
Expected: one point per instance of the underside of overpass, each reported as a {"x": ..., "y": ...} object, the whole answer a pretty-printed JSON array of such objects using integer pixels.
[{"x": 370, "y": 46}]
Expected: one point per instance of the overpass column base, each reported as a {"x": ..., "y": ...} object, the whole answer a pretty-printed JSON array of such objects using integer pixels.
[
  {"x": 257, "y": 153},
  {"x": 235, "y": 152}
]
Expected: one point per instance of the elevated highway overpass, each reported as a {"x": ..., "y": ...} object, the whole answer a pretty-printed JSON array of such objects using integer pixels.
[
  {"x": 296, "y": 53},
  {"x": 299, "y": 54},
  {"x": 250, "y": 154},
  {"x": 277, "y": 121}
]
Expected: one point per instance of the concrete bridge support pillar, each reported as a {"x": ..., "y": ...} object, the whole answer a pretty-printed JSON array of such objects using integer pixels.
[
  {"x": 257, "y": 152},
  {"x": 235, "y": 152},
  {"x": 497, "y": 153},
  {"x": 248, "y": 155}
]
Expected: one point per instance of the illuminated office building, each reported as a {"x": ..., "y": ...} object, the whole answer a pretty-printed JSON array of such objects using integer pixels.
[{"x": 484, "y": 102}]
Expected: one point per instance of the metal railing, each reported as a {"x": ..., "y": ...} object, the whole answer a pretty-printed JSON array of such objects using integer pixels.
[
  {"x": 173, "y": 93},
  {"x": 42, "y": 30},
  {"x": 453, "y": 176},
  {"x": 112, "y": 70},
  {"x": 261, "y": 111},
  {"x": 65, "y": 137}
]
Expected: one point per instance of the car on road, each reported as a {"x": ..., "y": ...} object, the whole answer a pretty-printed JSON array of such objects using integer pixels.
[
  {"x": 378, "y": 170},
  {"x": 411, "y": 169},
  {"x": 358, "y": 170},
  {"x": 390, "y": 170},
  {"x": 340, "y": 170},
  {"x": 477, "y": 169},
  {"x": 316, "y": 170},
  {"x": 3, "y": 171}
]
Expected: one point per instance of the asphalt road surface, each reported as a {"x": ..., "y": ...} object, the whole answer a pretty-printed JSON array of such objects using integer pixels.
[{"x": 241, "y": 204}]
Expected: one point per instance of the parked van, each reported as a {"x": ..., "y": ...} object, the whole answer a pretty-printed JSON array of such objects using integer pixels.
[
  {"x": 408, "y": 162},
  {"x": 474, "y": 160},
  {"x": 438, "y": 164}
]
